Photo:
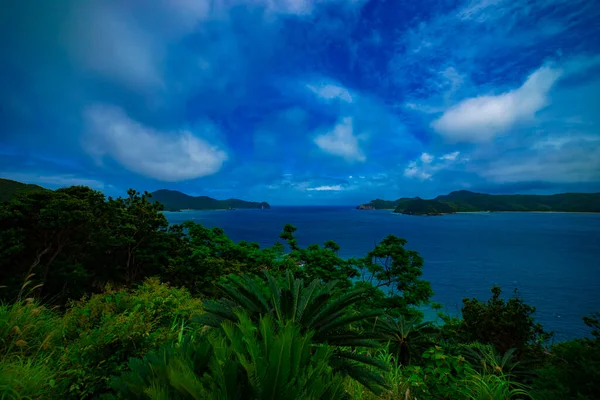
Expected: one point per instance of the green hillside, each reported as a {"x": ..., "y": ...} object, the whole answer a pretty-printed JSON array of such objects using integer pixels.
[
  {"x": 419, "y": 206},
  {"x": 379, "y": 204},
  {"x": 568, "y": 202},
  {"x": 173, "y": 200},
  {"x": 9, "y": 188},
  {"x": 465, "y": 201}
]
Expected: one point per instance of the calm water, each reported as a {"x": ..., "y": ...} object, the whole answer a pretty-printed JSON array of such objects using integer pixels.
[{"x": 552, "y": 258}]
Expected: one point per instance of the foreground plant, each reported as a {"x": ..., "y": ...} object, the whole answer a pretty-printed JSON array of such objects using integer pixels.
[
  {"x": 317, "y": 309},
  {"x": 267, "y": 361}
]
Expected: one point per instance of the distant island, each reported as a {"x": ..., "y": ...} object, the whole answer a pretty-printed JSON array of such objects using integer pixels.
[
  {"x": 173, "y": 200},
  {"x": 10, "y": 188},
  {"x": 466, "y": 201}
]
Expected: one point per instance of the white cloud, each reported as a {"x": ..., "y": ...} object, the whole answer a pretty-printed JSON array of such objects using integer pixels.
[
  {"x": 330, "y": 92},
  {"x": 166, "y": 156},
  {"x": 427, "y": 165},
  {"x": 341, "y": 141},
  {"x": 414, "y": 171},
  {"x": 483, "y": 118},
  {"x": 326, "y": 188},
  {"x": 450, "y": 156},
  {"x": 427, "y": 158}
]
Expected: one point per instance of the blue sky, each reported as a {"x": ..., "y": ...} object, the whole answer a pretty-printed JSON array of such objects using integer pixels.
[{"x": 302, "y": 101}]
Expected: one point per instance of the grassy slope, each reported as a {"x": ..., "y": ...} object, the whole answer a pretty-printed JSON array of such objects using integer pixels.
[{"x": 9, "y": 188}]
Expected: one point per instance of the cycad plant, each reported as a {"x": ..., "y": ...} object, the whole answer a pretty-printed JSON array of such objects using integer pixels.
[
  {"x": 487, "y": 360},
  {"x": 316, "y": 309},
  {"x": 241, "y": 361},
  {"x": 407, "y": 337}
]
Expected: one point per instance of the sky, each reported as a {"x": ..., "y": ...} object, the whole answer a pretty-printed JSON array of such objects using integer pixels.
[{"x": 302, "y": 101}]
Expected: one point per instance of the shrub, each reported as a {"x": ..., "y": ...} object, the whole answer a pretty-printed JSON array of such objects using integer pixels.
[{"x": 103, "y": 332}]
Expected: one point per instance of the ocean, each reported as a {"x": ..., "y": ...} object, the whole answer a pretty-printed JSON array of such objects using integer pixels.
[{"x": 553, "y": 259}]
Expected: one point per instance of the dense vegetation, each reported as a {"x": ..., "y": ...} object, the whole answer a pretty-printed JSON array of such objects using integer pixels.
[
  {"x": 101, "y": 298},
  {"x": 172, "y": 200},
  {"x": 465, "y": 201},
  {"x": 9, "y": 188}
]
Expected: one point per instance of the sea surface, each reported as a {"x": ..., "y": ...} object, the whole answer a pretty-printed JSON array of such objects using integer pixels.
[{"x": 553, "y": 259}]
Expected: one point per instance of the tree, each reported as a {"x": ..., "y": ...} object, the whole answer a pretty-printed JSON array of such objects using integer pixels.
[
  {"x": 204, "y": 257},
  {"x": 391, "y": 268},
  {"x": 316, "y": 262},
  {"x": 503, "y": 324},
  {"x": 43, "y": 236},
  {"x": 572, "y": 368}
]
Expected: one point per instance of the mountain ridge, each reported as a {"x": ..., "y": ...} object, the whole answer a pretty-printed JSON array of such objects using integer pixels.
[
  {"x": 10, "y": 188},
  {"x": 174, "y": 200},
  {"x": 467, "y": 201}
]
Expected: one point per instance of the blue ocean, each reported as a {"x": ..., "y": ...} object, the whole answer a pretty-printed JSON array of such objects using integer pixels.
[{"x": 553, "y": 259}]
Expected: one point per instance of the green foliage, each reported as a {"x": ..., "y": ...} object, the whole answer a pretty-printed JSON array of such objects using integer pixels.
[
  {"x": 484, "y": 386},
  {"x": 407, "y": 337},
  {"x": 28, "y": 351},
  {"x": 419, "y": 206},
  {"x": 572, "y": 370},
  {"x": 440, "y": 376},
  {"x": 487, "y": 360},
  {"x": 103, "y": 332},
  {"x": 393, "y": 268},
  {"x": 505, "y": 324},
  {"x": 207, "y": 256},
  {"x": 243, "y": 361},
  {"x": 28, "y": 378},
  {"x": 173, "y": 200},
  {"x": 316, "y": 308},
  {"x": 273, "y": 336},
  {"x": 10, "y": 189},
  {"x": 73, "y": 241},
  {"x": 26, "y": 328},
  {"x": 465, "y": 201}
]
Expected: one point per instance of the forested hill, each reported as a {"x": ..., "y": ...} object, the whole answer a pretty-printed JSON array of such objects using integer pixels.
[
  {"x": 465, "y": 201},
  {"x": 9, "y": 188},
  {"x": 173, "y": 200}
]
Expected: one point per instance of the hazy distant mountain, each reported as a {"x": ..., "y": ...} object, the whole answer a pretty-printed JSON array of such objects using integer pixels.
[
  {"x": 174, "y": 200},
  {"x": 8, "y": 189},
  {"x": 464, "y": 201}
]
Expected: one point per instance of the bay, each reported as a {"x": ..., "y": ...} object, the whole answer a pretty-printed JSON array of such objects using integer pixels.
[{"x": 553, "y": 259}]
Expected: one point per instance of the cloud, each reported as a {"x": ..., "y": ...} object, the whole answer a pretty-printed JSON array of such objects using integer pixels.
[
  {"x": 427, "y": 165},
  {"x": 330, "y": 92},
  {"x": 427, "y": 158},
  {"x": 450, "y": 156},
  {"x": 341, "y": 142},
  {"x": 331, "y": 188},
  {"x": 482, "y": 118},
  {"x": 564, "y": 159},
  {"x": 167, "y": 156},
  {"x": 414, "y": 171}
]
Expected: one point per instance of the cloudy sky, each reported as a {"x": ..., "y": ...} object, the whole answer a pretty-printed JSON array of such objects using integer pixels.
[{"x": 302, "y": 101}]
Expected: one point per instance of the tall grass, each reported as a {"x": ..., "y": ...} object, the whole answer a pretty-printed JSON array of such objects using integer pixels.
[
  {"x": 28, "y": 338},
  {"x": 27, "y": 328},
  {"x": 485, "y": 386},
  {"x": 24, "y": 378}
]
